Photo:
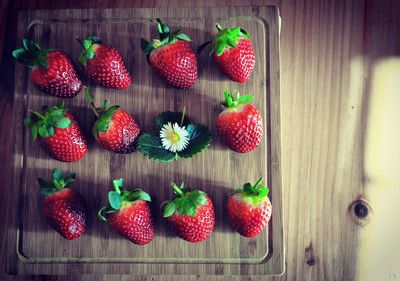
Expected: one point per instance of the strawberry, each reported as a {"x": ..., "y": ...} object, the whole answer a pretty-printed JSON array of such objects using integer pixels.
[
  {"x": 115, "y": 129},
  {"x": 240, "y": 124},
  {"x": 249, "y": 209},
  {"x": 129, "y": 213},
  {"x": 104, "y": 64},
  {"x": 172, "y": 57},
  {"x": 64, "y": 208},
  {"x": 52, "y": 70},
  {"x": 233, "y": 53},
  {"x": 190, "y": 214},
  {"x": 59, "y": 133}
]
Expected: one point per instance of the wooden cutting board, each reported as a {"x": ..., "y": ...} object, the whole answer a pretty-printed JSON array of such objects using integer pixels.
[{"x": 35, "y": 248}]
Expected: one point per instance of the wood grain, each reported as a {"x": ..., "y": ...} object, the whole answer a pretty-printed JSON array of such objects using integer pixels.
[
  {"x": 319, "y": 41},
  {"x": 217, "y": 171}
]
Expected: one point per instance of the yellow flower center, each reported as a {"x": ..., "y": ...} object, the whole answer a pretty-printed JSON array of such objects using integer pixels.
[{"x": 173, "y": 136}]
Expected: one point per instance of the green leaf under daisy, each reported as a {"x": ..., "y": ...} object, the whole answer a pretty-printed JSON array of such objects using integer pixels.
[
  {"x": 150, "y": 146},
  {"x": 175, "y": 137},
  {"x": 199, "y": 139}
]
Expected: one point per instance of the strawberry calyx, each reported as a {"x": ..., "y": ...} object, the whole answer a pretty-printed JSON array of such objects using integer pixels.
[
  {"x": 44, "y": 123},
  {"x": 253, "y": 194},
  {"x": 31, "y": 54},
  {"x": 120, "y": 198},
  {"x": 57, "y": 183},
  {"x": 89, "y": 45},
  {"x": 104, "y": 114},
  {"x": 166, "y": 37},
  {"x": 185, "y": 203},
  {"x": 233, "y": 99},
  {"x": 226, "y": 38}
]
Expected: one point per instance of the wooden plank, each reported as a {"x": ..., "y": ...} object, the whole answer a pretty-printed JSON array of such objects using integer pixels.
[{"x": 101, "y": 248}]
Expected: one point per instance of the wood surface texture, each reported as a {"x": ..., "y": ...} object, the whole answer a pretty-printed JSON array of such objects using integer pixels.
[
  {"x": 217, "y": 171},
  {"x": 328, "y": 50}
]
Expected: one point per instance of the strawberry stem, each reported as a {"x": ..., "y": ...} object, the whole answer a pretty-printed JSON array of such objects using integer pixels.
[
  {"x": 235, "y": 94},
  {"x": 183, "y": 116},
  {"x": 177, "y": 190},
  {"x": 116, "y": 186},
  {"x": 100, "y": 213},
  {"x": 202, "y": 46},
  {"x": 162, "y": 29},
  {"x": 37, "y": 114},
  {"x": 89, "y": 99},
  {"x": 219, "y": 27},
  {"x": 257, "y": 183},
  {"x": 233, "y": 99}
]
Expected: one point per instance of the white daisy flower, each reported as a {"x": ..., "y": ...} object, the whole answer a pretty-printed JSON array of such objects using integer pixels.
[{"x": 173, "y": 137}]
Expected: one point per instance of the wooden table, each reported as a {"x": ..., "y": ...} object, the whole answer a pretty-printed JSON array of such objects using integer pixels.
[{"x": 328, "y": 50}]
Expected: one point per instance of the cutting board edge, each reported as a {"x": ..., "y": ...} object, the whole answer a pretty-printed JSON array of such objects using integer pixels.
[{"x": 277, "y": 254}]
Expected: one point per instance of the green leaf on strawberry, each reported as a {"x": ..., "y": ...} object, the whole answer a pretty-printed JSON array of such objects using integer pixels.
[
  {"x": 138, "y": 194},
  {"x": 169, "y": 209},
  {"x": 182, "y": 36},
  {"x": 146, "y": 46},
  {"x": 253, "y": 193},
  {"x": 63, "y": 123},
  {"x": 115, "y": 199},
  {"x": 104, "y": 114},
  {"x": 57, "y": 174},
  {"x": 166, "y": 37},
  {"x": 89, "y": 46},
  {"x": 226, "y": 38},
  {"x": 234, "y": 99},
  {"x": 120, "y": 197},
  {"x": 31, "y": 54},
  {"x": 57, "y": 183},
  {"x": 44, "y": 123},
  {"x": 186, "y": 201}
]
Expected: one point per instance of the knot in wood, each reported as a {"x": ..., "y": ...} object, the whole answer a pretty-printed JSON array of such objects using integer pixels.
[{"x": 360, "y": 211}]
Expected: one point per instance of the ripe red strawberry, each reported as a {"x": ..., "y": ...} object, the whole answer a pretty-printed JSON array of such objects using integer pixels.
[
  {"x": 59, "y": 133},
  {"x": 52, "y": 70},
  {"x": 249, "y": 209},
  {"x": 190, "y": 214},
  {"x": 115, "y": 129},
  {"x": 104, "y": 64},
  {"x": 240, "y": 124},
  {"x": 129, "y": 213},
  {"x": 233, "y": 53},
  {"x": 172, "y": 57},
  {"x": 64, "y": 208}
]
